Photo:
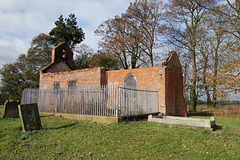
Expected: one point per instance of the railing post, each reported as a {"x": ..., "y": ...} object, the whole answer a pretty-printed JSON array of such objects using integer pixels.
[{"x": 116, "y": 106}]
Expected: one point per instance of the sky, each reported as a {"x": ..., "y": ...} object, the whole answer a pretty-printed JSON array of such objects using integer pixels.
[{"x": 22, "y": 20}]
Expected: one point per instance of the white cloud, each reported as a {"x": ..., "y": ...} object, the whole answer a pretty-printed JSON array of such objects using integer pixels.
[
  {"x": 10, "y": 50},
  {"x": 22, "y": 20}
]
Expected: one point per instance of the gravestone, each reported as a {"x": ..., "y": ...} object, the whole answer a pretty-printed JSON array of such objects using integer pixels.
[
  {"x": 30, "y": 118},
  {"x": 11, "y": 109}
]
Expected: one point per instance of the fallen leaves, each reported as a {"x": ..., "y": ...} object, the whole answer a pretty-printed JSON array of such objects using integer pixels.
[{"x": 225, "y": 145}]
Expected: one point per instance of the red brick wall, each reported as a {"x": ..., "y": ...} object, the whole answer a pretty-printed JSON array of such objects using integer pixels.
[
  {"x": 179, "y": 101},
  {"x": 84, "y": 77},
  {"x": 146, "y": 78},
  {"x": 169, "y": 84},
  {"x": 170, "y": 89},
  {"x": 174, "y": 87}
]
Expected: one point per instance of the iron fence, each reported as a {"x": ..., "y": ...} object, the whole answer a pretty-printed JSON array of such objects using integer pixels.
[
  {"x": 30, "y": 96},
  {"x": 95, "y": 100}
]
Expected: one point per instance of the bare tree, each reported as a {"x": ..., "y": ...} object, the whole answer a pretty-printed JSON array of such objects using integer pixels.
[
  {"x": 114, "y": 40},
  {"x": 133, "y": 35},
  {"x": 213, "y": 47},
  {"x": 223, "y": 47},
  {"x": 83, "y": 55},
  {"x": 182, "y": 20},
  {"x": 144, "y": 17}
]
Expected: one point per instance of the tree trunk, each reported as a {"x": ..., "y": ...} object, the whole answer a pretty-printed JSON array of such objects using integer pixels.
[
  {"x": 133, "y": 61},
  {"x": 209, "y": 101},
  {"x": 214, "y": 100},
  {"x": 193, "y": 95},
  {"x": 215, "y": 73},
  {"x": 193, "y": 100},
  {"x": 184, "y": 84}
]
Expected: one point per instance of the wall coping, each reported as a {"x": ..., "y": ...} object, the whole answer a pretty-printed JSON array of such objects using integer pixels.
[{"x": 136, "y": 69}]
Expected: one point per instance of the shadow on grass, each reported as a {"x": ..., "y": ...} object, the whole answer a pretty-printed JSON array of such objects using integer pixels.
[
  {"x": 216, "y": 127},
  {"x": 50, "y": 115},
  {"x": 130, "y": 119},
  {"x": 61, "y": 127},
  {"x": 200, "y": 113}
]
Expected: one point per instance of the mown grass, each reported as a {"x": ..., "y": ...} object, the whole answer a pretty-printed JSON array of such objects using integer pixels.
[{"x": 67, "y": 139}]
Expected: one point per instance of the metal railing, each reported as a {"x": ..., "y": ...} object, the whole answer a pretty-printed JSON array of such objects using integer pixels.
[
  {"x": 30, "y": 96},
  {"x": 95, "y": 100}
]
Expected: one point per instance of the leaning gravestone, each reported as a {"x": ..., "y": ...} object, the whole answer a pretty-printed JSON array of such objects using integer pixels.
[
  {"x": 30, "y": 118},
  {"x": 11, "y": 109}
]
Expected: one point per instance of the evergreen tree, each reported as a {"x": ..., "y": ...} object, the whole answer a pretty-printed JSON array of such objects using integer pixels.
[{"x": 66, "y": 30}]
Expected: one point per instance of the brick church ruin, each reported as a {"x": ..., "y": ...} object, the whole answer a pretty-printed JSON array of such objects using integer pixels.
[{"x": 167, "y": 80}]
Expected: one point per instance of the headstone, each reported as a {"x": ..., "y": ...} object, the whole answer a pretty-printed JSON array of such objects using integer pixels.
[
  {"x": 11, "y": 109},
  {"x": 30, "y": 118}
]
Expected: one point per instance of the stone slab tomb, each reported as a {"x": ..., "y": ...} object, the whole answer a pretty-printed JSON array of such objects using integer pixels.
[
  {"x": 11, "y": 109},
  {"x": 30, "y": 118},
  {"x": 183, "y": 121}
]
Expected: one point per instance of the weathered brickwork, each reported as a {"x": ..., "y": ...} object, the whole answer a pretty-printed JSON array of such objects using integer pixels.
[
  {"x": 146, "y": 78},
  {"x": 84, "y": 77},
  {"x": 167, "y": 80},
  {"x": 174, "y": 86}
]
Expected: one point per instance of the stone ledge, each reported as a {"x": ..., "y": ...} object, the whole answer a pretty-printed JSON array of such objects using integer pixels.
[
  {"x": 102, "y": 119},
  {"x": 182, "y": 121}
]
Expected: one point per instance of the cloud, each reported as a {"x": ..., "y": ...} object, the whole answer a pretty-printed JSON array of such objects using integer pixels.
[
  {"x": 10, "y": 50},
  {"x": 22, "y": 20}
]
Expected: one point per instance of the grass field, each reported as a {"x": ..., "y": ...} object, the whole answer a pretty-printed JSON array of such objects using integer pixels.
[
  {"x": 223, "y": 111},
  {"x": 67, "y": 139}
]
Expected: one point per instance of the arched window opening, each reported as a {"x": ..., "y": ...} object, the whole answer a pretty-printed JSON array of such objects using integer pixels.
[
  {"x": 130, "y": 81},
  {"x": 130, "y": 85}
]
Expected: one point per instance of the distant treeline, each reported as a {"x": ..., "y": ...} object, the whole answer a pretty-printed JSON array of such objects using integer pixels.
[{"x": 220, "y": 103}]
